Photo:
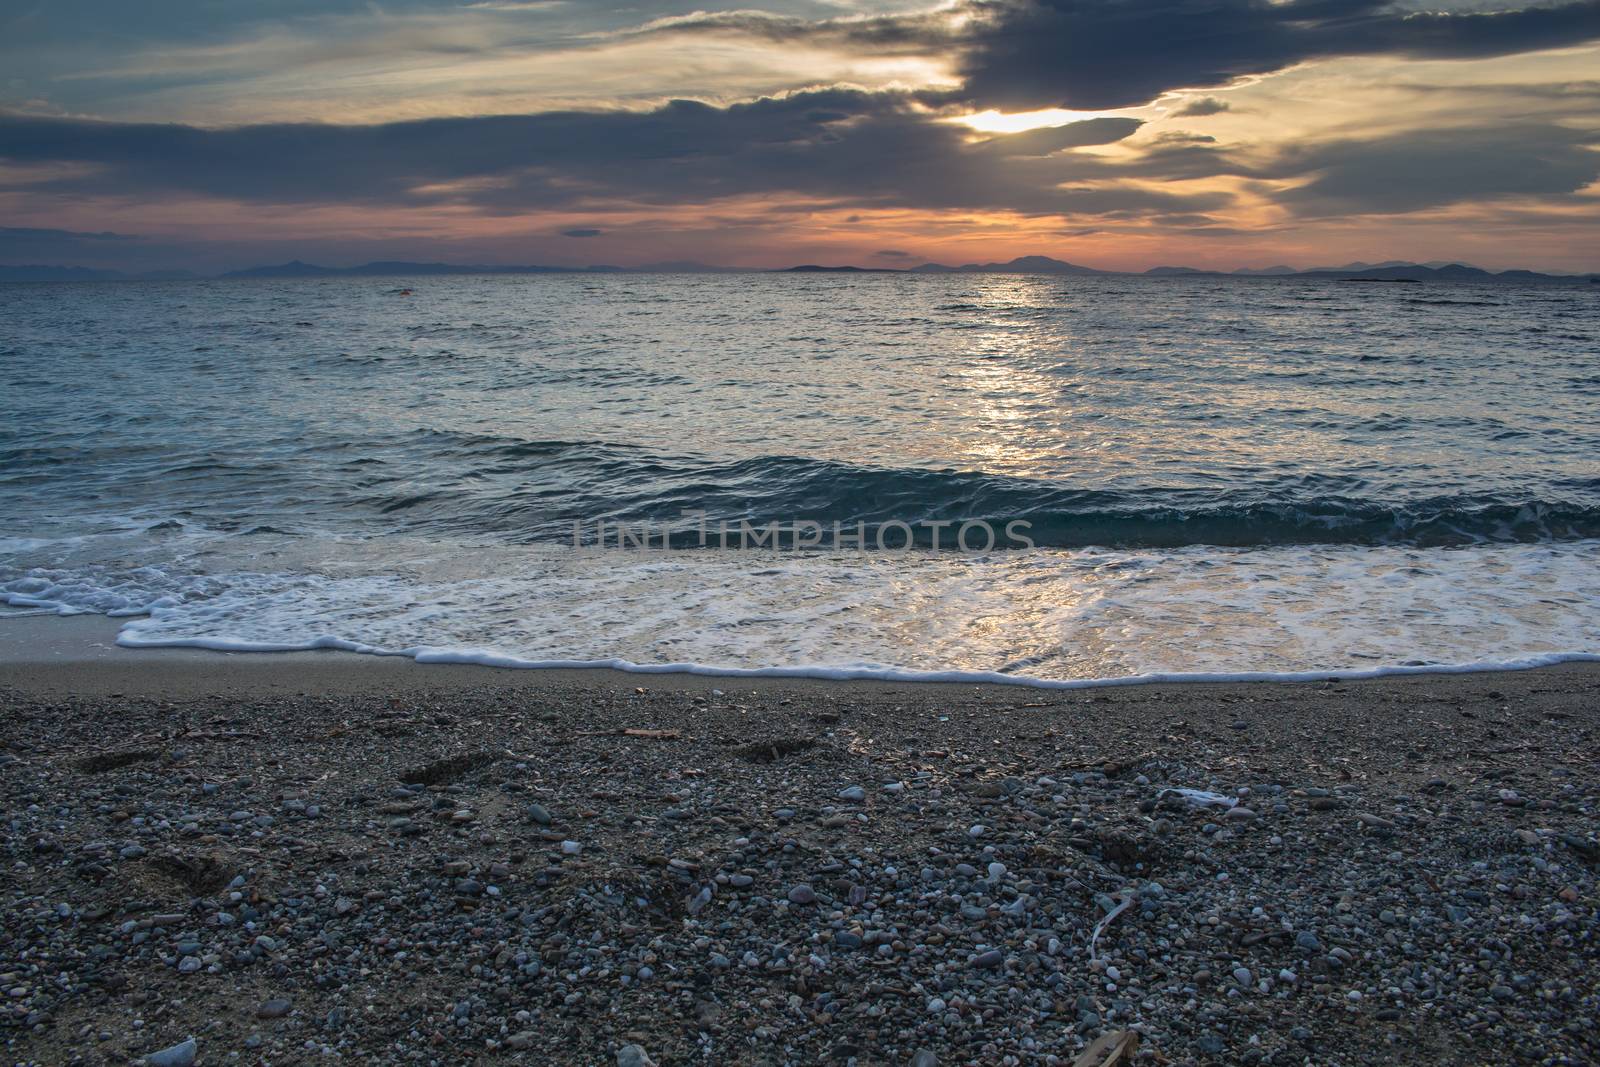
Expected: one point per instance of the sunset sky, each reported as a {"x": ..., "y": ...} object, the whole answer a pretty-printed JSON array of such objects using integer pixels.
[{"x": 1116, "y": 133}]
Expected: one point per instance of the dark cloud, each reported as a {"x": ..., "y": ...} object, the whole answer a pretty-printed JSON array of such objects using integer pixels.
[
  {"x": 1435, "y": 168},
  {"x": 839, "y": 146},
  {"x": 915, "y": 33},
  {"x": 33, "y": 236},
  {"x": 1019, "y": 55},
  {"x": 582, "y": 231},
  {"x": 1201, "y": 106},
  {"x": 1097, "y": 54}
]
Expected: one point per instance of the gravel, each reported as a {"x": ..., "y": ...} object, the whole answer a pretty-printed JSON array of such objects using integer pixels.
[{"x": 1382, "y": 901}]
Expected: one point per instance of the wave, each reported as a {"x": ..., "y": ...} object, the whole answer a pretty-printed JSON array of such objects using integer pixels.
[
  {"x": 539, "y": 490},
  {"x": 516, "y": 491}
]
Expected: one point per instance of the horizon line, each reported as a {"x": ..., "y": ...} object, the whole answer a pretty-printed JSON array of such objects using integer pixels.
[{"x": 692, "y": 266}]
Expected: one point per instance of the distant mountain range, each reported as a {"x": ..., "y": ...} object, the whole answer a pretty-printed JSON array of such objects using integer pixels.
[
  {"x": 1389, "y": 271},
  {"x": 1020, "y": 265},
  {"x": 1393, "y": 270}
]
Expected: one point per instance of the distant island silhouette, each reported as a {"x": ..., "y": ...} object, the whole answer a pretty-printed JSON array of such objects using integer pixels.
[{"x": 1391, "y": 270}]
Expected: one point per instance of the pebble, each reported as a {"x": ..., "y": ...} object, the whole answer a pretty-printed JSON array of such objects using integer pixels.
[
  {"x": 276, "y": 1008},
  {"x": 634, "y": 1056},
  {"x": 802, "y": 894},
  {"x": 853, "y": 793},
  {"x": 180, "y": 1055}
]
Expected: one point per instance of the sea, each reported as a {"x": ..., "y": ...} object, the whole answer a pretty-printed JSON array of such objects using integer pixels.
[{"x": 972, "y": 477}]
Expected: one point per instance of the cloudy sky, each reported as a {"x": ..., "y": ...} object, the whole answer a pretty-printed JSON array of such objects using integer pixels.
[{"x": 1116, "y": 133}]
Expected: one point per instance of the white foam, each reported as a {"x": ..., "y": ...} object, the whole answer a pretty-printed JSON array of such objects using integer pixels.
[{"x": 1052, "y": 618}]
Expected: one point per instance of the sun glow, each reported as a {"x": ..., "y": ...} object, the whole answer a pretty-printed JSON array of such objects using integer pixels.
[{"x": 1017, "y": 122}]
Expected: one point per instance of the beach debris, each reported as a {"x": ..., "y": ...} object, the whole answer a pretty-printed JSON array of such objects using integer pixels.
[
  {"x": 1114, "y": 1048},
  {"x": 1124, "y": 901},
  {"x": 773, "y": 750},
  {"x": 112, "y": 761},
  {"x": 449, "y": 768},
  {"x": 636, "y": 731},
  {"x": 1200, "y": 798}
]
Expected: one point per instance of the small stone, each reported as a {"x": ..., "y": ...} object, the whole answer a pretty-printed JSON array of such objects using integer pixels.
[
  {"x": 539, "y": 814},
  {"x": 180, "y": 1055},
  {"x": 700, "y": 899},
  {"x": 1243, "y": 976},
  {"x": 1238, "y": 814},
  {"x": 276, "y": 1008},
  {"x": 924, "y": 1058},
  {"x": 977, "y": 830},
  {"x": 570, "y": 848},
  {"x": 634, "y": 1056},
  {"x": 990, "y": 960},
  {"x": 802, "y": 894},
  {"x": 188, "y": 965},
  {"x": 854, "y": 793}
]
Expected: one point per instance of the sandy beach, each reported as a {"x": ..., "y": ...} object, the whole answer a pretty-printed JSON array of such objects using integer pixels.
[{"x": 319, "y": 855}]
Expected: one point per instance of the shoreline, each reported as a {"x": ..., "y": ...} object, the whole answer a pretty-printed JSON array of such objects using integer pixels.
[
  {"x": 34, "y": 649},
  {"x": 297, "y": 855}
]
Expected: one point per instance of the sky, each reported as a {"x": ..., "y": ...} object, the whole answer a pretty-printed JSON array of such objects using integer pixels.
[{"x": 1120, "y": 134}]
